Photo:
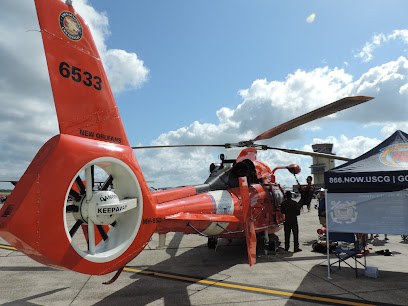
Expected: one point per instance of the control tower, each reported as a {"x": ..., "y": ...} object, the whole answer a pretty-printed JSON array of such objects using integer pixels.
[{"x": 321, "y": 164}]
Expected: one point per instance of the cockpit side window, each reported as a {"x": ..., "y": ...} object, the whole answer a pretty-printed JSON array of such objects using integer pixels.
[{"x": 278, "y": 196}]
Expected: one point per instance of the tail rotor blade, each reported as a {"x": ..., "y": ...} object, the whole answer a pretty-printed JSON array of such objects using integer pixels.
[
  {"x": 80, "y": 185},
  {"x": 75, "y": 228},
  {"x": 72, "y": 208},
  {"x": 102, "y": 231},
  {"x": 107, "y": 183},
  {"x": 74, "y": 195}
]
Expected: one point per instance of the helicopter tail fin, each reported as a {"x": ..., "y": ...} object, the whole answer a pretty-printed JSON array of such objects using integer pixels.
[
  {"x": 83, "y": 98},
  {"x": 57, "y": 195}
]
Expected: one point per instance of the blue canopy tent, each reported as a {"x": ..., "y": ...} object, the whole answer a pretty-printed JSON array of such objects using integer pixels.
[{"x": 370, "y": 193}]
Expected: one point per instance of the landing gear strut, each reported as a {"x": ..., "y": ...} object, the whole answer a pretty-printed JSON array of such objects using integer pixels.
[
  {"x": 212, "y": 242},
  {"x": 270, "y": 246}
]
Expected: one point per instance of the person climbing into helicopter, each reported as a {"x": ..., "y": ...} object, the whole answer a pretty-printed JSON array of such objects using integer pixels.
[
  {"x": 306, "y": 193},
  {"x": 291, "y": 210}
]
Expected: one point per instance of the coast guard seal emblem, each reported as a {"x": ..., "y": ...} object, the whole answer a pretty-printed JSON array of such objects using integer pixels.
[
  {"x": 395, "y": 155},
  {"x": 343, "y": 212},
  {"x": 70, "y": 26}
]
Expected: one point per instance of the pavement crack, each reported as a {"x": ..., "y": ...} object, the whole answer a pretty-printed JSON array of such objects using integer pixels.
[{"x": 80, "y": 290}]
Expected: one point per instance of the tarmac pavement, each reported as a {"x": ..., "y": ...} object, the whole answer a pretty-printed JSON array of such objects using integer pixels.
[{"x": 186, "y": 272}]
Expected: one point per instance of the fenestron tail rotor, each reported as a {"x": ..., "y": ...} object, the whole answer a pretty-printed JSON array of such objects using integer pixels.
[
  {"x": 101, "y": 212},
  {"x": 321, "y": 112},
  {"x": 79, "y": 194}
]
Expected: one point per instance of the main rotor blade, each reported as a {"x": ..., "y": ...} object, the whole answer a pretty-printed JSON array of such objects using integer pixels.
[
  {"x": 313, "y": 154},
  {"x": 313, "y": 115},
  {"x": 176, "y": 146}
]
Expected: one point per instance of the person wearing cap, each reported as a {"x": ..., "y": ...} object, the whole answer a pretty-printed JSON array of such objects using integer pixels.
[{"x": 291, "y": 210}]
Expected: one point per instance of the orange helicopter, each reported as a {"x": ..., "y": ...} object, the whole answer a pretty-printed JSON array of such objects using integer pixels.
[{"x": 57, "y": 195}]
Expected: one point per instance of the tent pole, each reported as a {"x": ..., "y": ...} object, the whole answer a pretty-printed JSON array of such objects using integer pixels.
[{"x": 327, "y": 235}]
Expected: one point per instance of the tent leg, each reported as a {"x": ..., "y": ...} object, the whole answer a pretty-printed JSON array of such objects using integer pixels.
[{"x": 327, "y": 239}]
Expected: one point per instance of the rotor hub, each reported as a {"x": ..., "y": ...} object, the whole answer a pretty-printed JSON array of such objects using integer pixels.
[
  {"x": 101, "y": 208},
  {"x": 105, "y": 206}
]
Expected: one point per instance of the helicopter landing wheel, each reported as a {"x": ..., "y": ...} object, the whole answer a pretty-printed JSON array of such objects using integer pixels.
[
  {"x": 212, "y": 242},
  {"x": 109, "y": 215}
]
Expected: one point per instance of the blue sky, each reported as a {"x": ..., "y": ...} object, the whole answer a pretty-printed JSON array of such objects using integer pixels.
[
  {"x": 201, "y": 53},
  {"x": 216, "y": 72}
]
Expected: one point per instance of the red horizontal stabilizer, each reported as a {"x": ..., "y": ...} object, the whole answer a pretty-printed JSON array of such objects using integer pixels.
[{"x": 204, "y": 217}]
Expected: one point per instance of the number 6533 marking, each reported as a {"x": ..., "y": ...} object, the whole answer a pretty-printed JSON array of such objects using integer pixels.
[{"x": 77, "y": 75}]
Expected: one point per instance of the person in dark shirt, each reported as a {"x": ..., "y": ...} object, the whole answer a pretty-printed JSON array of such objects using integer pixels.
[
  {"x": 291, "y": 210},
  {"x": 306, "y": 193}
]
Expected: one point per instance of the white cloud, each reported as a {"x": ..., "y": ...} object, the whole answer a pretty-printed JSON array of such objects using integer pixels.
[
  {"x": 267, "y": 104},
  {"x": 124, "y": 69},
  {"x": 366, "y": 54},
  {"x": 390, "y": 128},
  {"x": 388, "y": 84},
  {"x": 24, "y": 82}
]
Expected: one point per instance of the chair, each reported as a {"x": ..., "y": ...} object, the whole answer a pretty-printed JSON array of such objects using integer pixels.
[{"x": 347, "y": 247}]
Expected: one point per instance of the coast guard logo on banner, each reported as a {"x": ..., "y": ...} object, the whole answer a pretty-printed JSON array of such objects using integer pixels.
[
  {"x": 343, "y": 213},
  {"x": 395, "y": 155}
]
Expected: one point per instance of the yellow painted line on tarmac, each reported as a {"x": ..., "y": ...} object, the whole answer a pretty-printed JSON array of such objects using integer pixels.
[
  {"x": 2, "y": 246},
  {"x": 234, "y": 286},
  {"x": 248, "y": 288}
]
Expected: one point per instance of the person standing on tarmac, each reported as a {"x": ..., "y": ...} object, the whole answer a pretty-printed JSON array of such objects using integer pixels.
[
  {"x": 291, "y": 210},
  {"x": 306, "y": 193}
]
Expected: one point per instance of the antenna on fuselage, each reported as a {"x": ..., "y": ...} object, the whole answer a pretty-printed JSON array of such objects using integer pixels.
[{"x": 68, "y": 2}]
